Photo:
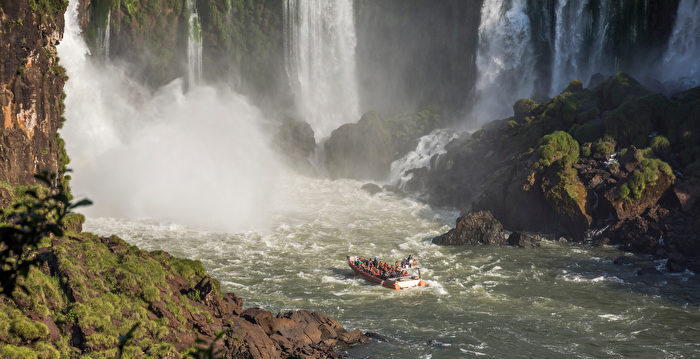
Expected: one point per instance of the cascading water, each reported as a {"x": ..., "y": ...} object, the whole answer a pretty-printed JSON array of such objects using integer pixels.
[
  {"x": 104, "y": 45},
  {"x": 198, "y": 157},
  {"x": 681, "y": 62},
  {"x": 320, "y": 46},
  {"x": 429, "y": 146},
  {"x": 505, "y": 59},
  {"x": 572, "y": 25},
  {"x": 194, "y": 46}
]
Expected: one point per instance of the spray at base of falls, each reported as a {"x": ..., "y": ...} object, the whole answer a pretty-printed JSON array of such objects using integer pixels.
[
  {"x": 320, "y": 45},
  {"x": 198, "y": 157}
]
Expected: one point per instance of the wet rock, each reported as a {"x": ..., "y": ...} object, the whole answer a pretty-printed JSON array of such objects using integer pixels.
[
  {"x": 624, "y": 261},
  {"x": 474, "y": 228},
  {"x": 649, "y": 272},
  {"x": 676, "y": 262},
  {"x": 376, "y": 337},
  {"x": 524, "y": 240},
  {"x": 371, "y": 188},
  {"x": 295, "y": 140}
]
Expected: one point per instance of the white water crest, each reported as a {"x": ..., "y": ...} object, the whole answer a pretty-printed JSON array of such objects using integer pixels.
[
  {"x": 505, "y": 59},
  {"x": 194, "y": 46},
  {"x": 198, "y": 157},
  {"x": 429, "y": 146},
  {"x": 320, "y": 46},
  {"x": 682, "y": 59}
]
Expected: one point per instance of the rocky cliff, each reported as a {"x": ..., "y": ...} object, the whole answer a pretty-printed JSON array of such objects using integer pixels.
[
  {"x": 31, "y": 89},
  {"x": 241, "y": 40},
  {"x": 90, "y": 291},
  {"x": 613, "y": 163}
]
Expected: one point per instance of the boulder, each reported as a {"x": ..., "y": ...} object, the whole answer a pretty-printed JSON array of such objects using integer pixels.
[
  {"x": 295, "y": 139},
  {"x": 371, "y": 188},
  {"x": 524, "y": 240},
  {"x": 362, "y": 150},
  {"x": 474, "y": 228}
]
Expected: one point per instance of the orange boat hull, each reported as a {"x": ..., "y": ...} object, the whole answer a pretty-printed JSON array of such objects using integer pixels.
[{"x": 391, "y": 284}]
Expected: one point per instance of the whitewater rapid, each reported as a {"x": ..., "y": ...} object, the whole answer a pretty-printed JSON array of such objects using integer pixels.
[{"x": 557, "y": 300}]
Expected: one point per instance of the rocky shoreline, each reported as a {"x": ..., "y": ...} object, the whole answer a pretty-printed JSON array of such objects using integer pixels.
[{"x": 90, "y": 290}]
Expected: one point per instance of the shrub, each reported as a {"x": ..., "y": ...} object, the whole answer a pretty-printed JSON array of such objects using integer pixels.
[
  {"x": 586, "y": 151},
  {"x": 603, "y": 148},
  {"x": 660, "y": 145},
  {"x": 587, "y": 132},
  {"x": 557, "y": 148}
]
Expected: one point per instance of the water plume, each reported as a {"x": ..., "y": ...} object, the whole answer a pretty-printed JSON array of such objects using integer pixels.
[{"x": 198, "y": 157}]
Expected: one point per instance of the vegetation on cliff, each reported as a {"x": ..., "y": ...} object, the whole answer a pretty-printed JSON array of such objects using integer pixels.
[
  {"x": 554, "y": 158},
  {"x": 240, "y": 38}
]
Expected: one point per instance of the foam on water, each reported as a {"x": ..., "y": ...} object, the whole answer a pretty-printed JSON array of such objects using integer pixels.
[{"x": 544, "y": 299}]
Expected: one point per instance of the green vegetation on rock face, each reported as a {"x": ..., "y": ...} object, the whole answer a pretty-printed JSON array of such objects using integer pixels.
[
  {"x": 48, "y": 7},
  {"x": 241, "y": 38},
  {"x": 645, "y": 176},
  {"x": 557, "y": 148},
  {"x": 603, "y": 148},
  {"x": 660, "y": 145}
]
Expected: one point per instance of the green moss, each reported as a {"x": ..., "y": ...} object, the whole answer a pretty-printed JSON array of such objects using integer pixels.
[
  {"x": 660, "y": 145},
  {"x": 74, "y": 222},
  {"x": 587, "y": 132},
  {"x": 646, "y": 176},
  {"x": 12, "y": 352},
  {"x": 586, "y": 151},
  {"x": 603, "y": 148},
  {"x": 151, "y": 294},
  {"x": 28, "y": 330},
  {"x": 557, "y": 148},
  {"x": 45, "y": 350}
]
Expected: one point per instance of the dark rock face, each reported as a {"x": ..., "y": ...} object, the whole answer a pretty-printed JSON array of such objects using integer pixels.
[
  {"x": 31, "y": 90},
  {"x": 474, "y": 228},
  {"x": 361, "y": 150},
  {"x": 295, "y": 140},
  {"x": 524, "y": 240}
]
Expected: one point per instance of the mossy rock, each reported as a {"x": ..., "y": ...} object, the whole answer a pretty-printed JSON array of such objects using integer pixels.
[
  {"x": 603, "y": 148},
  {"x": 617, "y": 90},
  {"x": 557, "y": 148},
  {"x": 522, "y": 108},
  {"x": 73, "y": 222}
]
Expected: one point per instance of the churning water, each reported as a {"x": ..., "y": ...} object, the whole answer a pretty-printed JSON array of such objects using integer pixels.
[{"x": 556, "y": 301}]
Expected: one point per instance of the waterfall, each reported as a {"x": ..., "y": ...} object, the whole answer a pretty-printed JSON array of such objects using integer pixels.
[
  {"x": 681, "y": 62},
  {"x": 320, "y": 45},
  {"x": 105, "y": 40},
  {"x": 142, "y": 153},
  {"x": 569, "y": 57},
  {"x": 429, "y": 146},
  {"x": 194, "y": 46},
  {"x": 505, "y": 59}
]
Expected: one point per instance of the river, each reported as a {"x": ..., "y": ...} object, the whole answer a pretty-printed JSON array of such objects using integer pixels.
[{"x": 560, "y": 300}]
